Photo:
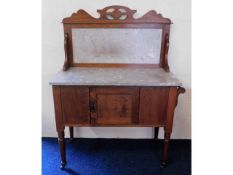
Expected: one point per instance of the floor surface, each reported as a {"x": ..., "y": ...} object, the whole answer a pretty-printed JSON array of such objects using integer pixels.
[{"x": 116, "y": 157}]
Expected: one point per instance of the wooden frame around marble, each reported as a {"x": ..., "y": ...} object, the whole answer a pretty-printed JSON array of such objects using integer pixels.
[{"x": 111, "y": 17}]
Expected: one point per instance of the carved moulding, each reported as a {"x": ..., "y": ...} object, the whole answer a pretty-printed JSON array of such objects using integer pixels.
[{"x": 116, "y": 14}]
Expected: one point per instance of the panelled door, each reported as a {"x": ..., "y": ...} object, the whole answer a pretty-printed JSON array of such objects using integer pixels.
[{"x": 114, "y": 105}]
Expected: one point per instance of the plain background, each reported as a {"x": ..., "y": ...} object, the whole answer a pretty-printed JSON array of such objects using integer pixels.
[
  {"x": 53, "y": 11},
  {"x": 21, "y": 88}
]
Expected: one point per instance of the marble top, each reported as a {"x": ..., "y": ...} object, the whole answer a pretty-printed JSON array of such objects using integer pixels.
[{"x": 115, "y": 77}]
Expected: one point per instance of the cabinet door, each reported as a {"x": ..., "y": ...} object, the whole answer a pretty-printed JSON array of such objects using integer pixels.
[
  {"x": 153, "y": 105},
  {"x": 114, "y": 106},
  {"x": 75, "y": 105}
]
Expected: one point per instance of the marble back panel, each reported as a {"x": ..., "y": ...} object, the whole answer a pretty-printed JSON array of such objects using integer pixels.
[{"x": 101, "y": 45}]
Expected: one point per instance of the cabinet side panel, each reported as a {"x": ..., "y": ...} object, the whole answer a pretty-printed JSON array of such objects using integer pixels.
[
  {"x": 58, "y": 108},
  {"x": 172, "y": 102},
  {"x": 153, "y": 105},
  {"x": 75, "y": 104}
]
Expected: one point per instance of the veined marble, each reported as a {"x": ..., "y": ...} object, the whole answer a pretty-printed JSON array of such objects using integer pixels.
[
  {"x": 115, "y": 77},
  {"x": 100, "y": 45}
]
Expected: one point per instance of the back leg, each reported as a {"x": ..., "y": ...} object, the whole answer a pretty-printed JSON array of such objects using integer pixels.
[
  {"x": 71, "y": 128},
  {"x": 156, "y": 133}
]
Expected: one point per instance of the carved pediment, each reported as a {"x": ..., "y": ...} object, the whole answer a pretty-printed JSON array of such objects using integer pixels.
[{"x": 116, "y": 14}]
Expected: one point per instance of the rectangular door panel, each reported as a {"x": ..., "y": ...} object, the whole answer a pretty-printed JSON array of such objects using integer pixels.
[
  {"x": 115, "y": 105},
  {"x": 75, "y": 105}
]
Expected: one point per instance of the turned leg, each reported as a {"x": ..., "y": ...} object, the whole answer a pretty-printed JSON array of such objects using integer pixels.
[
  {"x": 71, "y": 128},
  {"x": 164, "y": 162},
  {"x": 61, "y": 142},
  {"x": 156, "y": 133}
]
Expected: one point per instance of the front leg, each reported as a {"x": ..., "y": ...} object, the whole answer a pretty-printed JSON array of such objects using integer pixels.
[
  {"x": 61, "y": 141},
  {"x": 172, "y": 102},
  {"x": 164, "y": 162}
]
